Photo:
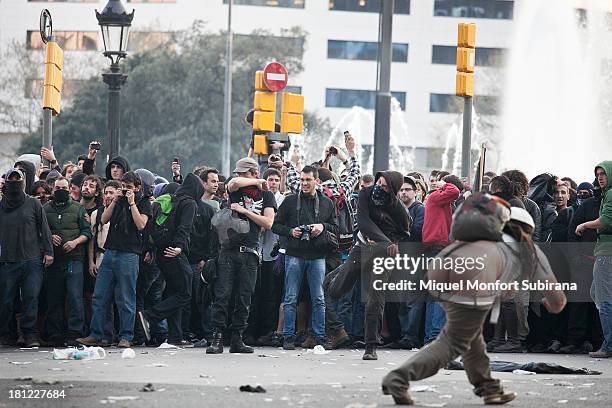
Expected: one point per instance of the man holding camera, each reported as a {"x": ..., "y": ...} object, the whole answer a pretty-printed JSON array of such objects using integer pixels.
[
  {"x": 307, "y": 223},
  {"x": 239, "y": 258},
  {"x": 128, "y": 214}
]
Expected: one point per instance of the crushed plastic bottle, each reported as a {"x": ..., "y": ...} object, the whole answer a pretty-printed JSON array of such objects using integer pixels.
[{"x": 86, "y": 353}]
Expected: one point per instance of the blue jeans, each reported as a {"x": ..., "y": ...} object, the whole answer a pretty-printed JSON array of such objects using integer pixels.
[
  {"x": 411, "y": 318},
  {"x": 434, "y": 321},
  {"x": 315, "y": 273},
  {"x": 27, "y": 277},
  {"x": 117, "y": 275},
  {"x": 601, "y": 291},
  {"x": 64, "y": 282}
]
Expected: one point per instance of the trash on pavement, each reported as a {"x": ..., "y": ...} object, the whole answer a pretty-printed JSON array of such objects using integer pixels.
[
  {"x": 523, "y": 372},
  {"x": 165, "y": 345},
  {"x": 128, "y": 353},
  {"x": 86, "y": 353},
  {"x": 249, "y": 388},
  {"x": 422, "y": 388},
  {"x": 21, "y": 362}
]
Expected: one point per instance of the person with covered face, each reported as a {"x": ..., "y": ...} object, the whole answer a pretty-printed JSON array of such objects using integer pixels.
[
  {"x": 24, "y": 236},
  {"x": 70, "y": 229},
  {"x": 383, "y": 223},
  {"x": 172, "y": 248}
]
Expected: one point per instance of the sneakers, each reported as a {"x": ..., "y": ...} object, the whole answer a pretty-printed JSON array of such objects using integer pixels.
[
  {"x": 499, "y": 398},
  {"x": 370, "y": 353},
  {"x": 494, "y": 344},
  {"x": 309, "y": 343},
  {"x": 88, "y": 341},
  {"x": 146, "y": 327},
  {"x": 270, "y": 340},
  {"x": 201, "y": 344},
  {"x": 123, "y": 343},
  {"x": 31, "y": 341},
  {"x": 600, "y": 354},
  {"x": 289, "y": 343},
  {"x": 400, "y": 399}
]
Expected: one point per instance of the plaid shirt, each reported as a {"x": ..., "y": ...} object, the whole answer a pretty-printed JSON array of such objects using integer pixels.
[{"x": 353, "y": 173}]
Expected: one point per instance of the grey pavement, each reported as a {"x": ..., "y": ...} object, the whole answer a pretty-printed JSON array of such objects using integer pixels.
[{"x": 190, "y": 378}]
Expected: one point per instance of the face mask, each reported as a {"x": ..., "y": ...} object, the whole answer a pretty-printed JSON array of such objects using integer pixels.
[
  {"x": 13, "y": 188},
  {"x": 379, "y": 196},
  {"x": 61, "y": 197},
  {"x": 419, "y": 197}
]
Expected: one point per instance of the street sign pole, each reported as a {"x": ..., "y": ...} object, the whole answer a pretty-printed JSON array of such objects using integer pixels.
[
  {"x": 46, "y": 31},
  {"x": 227, "y": 106}
]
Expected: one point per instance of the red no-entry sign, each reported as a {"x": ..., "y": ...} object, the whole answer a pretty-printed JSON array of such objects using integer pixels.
[{"x": 275, "y": 77}]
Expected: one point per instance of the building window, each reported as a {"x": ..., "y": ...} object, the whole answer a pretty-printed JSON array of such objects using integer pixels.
[
  {"x": 499, "y": 9},
  {"x": 64, "y": 1},
  {"x": 369, "y": 6},
  {"x": 347, "y": 98},
  {"x": 151, "y": 1},
  {"x": 447, "y": 103},
  {"x": 68, "y": 40},
  {"x": 293, "y": 90},
  {"x": 485, "y": 57},
  {"x": 146, "y": 40},
  {"x": 362, "y": 50},
  {"x": 270, "y": 3}
]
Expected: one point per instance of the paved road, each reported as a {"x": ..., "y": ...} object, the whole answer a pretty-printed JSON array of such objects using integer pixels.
[{"x": 190, "y": 378}]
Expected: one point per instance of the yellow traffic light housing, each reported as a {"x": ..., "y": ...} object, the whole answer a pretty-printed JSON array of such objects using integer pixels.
[
  {"x": 264, "y": 121},
  {"x": 465, "y": 84},
  {"x": 292, "y": 119},
  {"x": 467, "y": 35},
  {"x": 260, "y": 144},
  {"x": 52, "y": 83},
  {"x": 264, "y": 101},
  {"x": 466, "y": 59},
  {"x": 259, "y": 82}
]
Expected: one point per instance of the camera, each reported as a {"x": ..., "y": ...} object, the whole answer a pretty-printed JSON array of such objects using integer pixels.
[
  {"x": 333, "y": 150},
  {"x": 175, "y": 160},
  {"x": 95, "y": 145},
  {"x": 306, "y": 230},
  {"x": 124, "y": 191},
  {"x": 274, "y": 158}
]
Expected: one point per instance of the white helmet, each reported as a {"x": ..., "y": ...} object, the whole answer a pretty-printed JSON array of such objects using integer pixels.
[{"x": 521, "y": 215}]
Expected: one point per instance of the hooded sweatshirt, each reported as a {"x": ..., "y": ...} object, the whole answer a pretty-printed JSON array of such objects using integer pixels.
[
  {"x": 439, "y": 215},
  {"x": 24, "y": 231},
  {"x": 386, "y": 224},
  {"x": 191, "y": 190},
  {"x": 117, "y": 160},
  {"x": 30, "y": 173},
  {"x": 604, "y": 237}
]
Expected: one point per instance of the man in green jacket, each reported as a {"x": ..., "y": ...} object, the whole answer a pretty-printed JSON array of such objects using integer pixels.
[
  {"x": 70, "y": 229},
  {"x": 601, "y": 289}
]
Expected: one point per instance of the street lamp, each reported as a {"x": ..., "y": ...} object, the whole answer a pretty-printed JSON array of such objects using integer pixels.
[{"x": 115, "y": 24}]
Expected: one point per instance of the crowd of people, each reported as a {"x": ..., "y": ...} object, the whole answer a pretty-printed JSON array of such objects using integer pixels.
[{"x": 272, "y": 255}]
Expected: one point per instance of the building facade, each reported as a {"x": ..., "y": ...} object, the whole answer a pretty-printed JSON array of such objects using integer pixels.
[{"x": 339, "y": 55}]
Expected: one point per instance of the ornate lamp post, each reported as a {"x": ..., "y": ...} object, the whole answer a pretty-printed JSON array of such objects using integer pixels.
[{"x": 115, "y": 24}]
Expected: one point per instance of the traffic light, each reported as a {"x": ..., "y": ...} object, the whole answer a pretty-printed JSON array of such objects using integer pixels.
[
  {"x": 292, "y": 109},
  {"x": 264, "y": 104},
  {"x": 466, "y": 59},
  {"x": 52, "y": 84},
  {"x": 260, "y": 144}
]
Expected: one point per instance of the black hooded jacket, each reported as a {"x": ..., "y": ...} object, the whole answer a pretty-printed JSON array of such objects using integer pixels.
[
  {"x": 24, "y": 231},
  {"x": 30, "y": 173},
  {"x": 384, "y": 224},
  {"x": 117, "y": 160},
  {"x": 191, "y": 190}
]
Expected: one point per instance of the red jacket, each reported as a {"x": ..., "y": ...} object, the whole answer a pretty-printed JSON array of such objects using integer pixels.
[{"x": 439, "y": 215}]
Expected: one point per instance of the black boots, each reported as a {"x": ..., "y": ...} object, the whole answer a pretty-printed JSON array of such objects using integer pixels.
[
  {"x": 238, "y": 346},
  {"x": 370, "y": 352},
  {"x": 216, "y": 345}
]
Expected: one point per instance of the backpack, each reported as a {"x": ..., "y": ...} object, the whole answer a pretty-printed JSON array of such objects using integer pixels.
[
  {"x": 480, "y": 217},
  {"x": 344, "y": 214},
  {"x": 163, "y": 225}
]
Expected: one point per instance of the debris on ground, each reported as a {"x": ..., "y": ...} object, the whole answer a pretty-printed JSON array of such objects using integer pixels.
[
  {"x": 21, "y": 362},
  {"x": 422, "y": 388},
  {"x": 128, "y": 353},
  {"x": 157, "y": 365},
  {"x": 250, "y": 388},
  {"x": 165, "y": 345},
  {"x": 148, "y": 387}
]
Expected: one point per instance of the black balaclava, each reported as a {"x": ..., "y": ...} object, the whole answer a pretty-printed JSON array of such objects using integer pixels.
[
  {"x": 61, "y": 197},
  {"x": 379, "y": 196},
  {"x": 13, "y": 192}
]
